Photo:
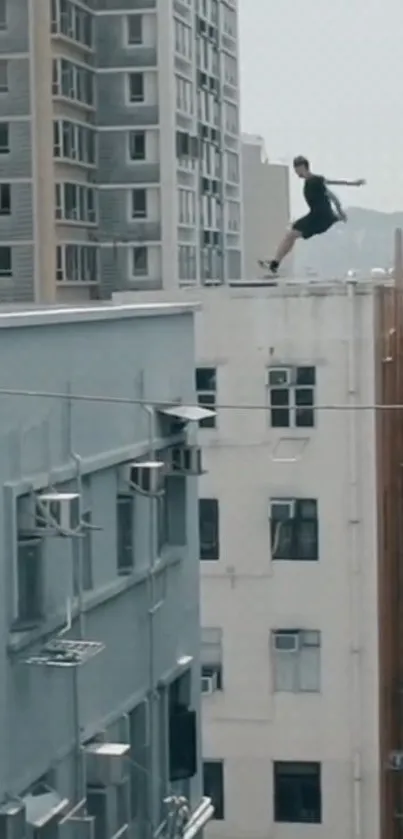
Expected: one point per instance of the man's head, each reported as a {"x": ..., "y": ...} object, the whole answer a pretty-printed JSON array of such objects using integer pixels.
[{"x": 301, "y": 166}]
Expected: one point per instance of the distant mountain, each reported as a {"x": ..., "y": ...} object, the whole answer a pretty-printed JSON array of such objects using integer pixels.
[{"x": 365, "y": 242}]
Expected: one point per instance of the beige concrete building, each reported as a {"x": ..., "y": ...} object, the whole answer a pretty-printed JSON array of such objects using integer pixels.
[
  {"x": 119, "y": 147},
  {"x": 265, "y": 205}
]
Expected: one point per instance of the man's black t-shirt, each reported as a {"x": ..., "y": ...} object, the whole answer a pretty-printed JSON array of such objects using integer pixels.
[{"x": 316, "y": 195}]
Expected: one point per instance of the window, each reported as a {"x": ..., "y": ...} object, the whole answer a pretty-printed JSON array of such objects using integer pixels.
[
  {"x": 3, "y": 14},
  {"x": 292, "y": 397},
  {"x": 134, "y": 29},
  {"x": 294, "y": 529},
  {"x": 137, "y": 145},
  {"x": 30, "y": 583},
  {"x": 139, "y": 763},
  {"x": 4, "y": 138},
  {"x": 206, "y": 387},
  {"x": 3, "y": 76},
  {"x": 231, "y": 118},
  {"x": 73, "y": 22},
  {"x": 232, "y": 167},
  {"x": 212, "y": 659},
  {"x": 77, "y": 264},
  {"x": 209, "y": 528},
  {"x": 6, "y": 269},
  {"x": 213, "y": 785},
  {"x": 136, "y": 87},
  {"x": 140, "y": 261},
  {"x": 296, "y": 661},
  {"x": 184, "y": 95},
  {"x": 297, "y": 792},
  {"x": 187, "y": 266},
  {"x": 75, "y": 142},
  {"x": 187, "y": 207},
  {"x": 125, "y": 534},
  {"x": 230, "y": 70},
  {"x": 5, "y": 199},
  {"x": 75, "y": 203},
  {"x": 72, "y": 81},
  {"x": 139, "y": 203},
  {"x": 183, "y": 39}
]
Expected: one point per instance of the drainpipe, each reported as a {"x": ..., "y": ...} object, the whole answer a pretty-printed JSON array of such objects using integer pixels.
[
  {"x": 152, "y": 608},
  {"x": 79, "y": 774},
  {"x": 354, "y": 556}
]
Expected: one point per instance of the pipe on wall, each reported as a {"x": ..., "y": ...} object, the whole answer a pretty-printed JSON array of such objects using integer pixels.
[{"x": 353, "y": 419}]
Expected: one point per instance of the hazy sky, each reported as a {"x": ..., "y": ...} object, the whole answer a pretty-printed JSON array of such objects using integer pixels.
[{"x": 324, "y": 78}]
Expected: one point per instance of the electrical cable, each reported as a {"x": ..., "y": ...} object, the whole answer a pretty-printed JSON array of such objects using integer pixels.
[{"x": 163, "y": 404}]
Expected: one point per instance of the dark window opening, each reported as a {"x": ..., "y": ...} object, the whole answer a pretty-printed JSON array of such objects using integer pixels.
[
  {"x": 209, "y": 528},
  {"x": 297, "y": 793}
]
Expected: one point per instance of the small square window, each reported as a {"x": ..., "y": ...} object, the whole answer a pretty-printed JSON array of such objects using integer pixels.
[
  {"x": 125, "y": 534},
  {"x": 29, "y": 581},
  {"x": 5, "y": 262},
  {"x": 209, "y": 529},
  {"x": 3, "y": 76},
  {"x": 134, "y": 29},
  {"x": 137, "y": 145},
  {"x": 4, "y": 138},
  {"x": 139, "y": 203},
  {"x": 136, "y": 87},
  {"x": 140, "y": 261},
  {"x": 213, "y": 784},
  {"x": 206, "y": 387},
  {"x": 5, "y": 199},
  {"x": 3, "y": 14}
]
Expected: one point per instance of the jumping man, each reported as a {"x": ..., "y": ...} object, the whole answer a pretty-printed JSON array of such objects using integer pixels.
[{"x": 324, "y": 211}]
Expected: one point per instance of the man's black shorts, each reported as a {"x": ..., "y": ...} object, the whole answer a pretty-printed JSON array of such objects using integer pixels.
[{"x": 313, "y": 225}]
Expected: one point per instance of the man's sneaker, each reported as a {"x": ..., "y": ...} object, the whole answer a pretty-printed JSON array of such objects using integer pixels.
[{"x": 269, "y": 265}]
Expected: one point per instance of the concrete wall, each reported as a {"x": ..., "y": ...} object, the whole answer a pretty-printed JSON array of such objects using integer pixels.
[
  {"x": 266, "y": 207},
  {"x": 121, "y": 356},
  {"x": 243, "y": 331},
  {"x": 248, "y": 724}
]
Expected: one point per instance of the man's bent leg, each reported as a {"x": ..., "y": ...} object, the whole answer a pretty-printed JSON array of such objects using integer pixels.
[{"x": 287, "y": 245}]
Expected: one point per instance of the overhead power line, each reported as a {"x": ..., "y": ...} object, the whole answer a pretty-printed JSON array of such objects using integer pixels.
[{"x": 160, "y": 403}]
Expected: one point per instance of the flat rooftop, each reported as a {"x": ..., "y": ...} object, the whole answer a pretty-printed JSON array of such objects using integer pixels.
[{"x": 37, "y": 315}]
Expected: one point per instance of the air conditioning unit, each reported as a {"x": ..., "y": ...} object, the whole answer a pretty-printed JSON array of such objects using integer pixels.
[
  {"x": 77, "y": 827},
  {"x": 13, "y": 820},
  {"x": 186, "y": 460},
  {"x": 396, "y": 761},
  {"x": 59, "y": 511},
  {"x": 106, "y": 763},
  {"x": 286, "y": 642},
  {"x": 209, "y": 684},
  {"x": 147, "y": 477},
  {"x": 279, "y": 376},
  {"x": 282, "y": 509}
]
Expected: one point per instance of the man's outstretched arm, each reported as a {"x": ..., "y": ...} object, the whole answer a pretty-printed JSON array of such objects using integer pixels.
[{"x": 359, "y": 182}]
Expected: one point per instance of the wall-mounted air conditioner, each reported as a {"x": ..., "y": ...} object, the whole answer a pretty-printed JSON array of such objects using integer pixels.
[
  {"x": 280, "y": 376},
  {"x": 13, "y": 823},
  {"x": 286, "y": 642},
  {"x": 77, "y": 827},
  {"x": 186, "y": 460},
  {"x": 396, "y": 761},
  {"x": 58, "y": 511},
  {"x": 147, "y": 477},
  {"x": 106, "y": 763},
  {"x": 209, "y": 684},
  {"x": 282, "y": 509}
]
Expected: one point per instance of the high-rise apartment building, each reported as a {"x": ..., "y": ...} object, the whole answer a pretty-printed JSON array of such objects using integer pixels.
[
  {"x": 265, "y": 206},
  {"x": 119, "y": 146}
]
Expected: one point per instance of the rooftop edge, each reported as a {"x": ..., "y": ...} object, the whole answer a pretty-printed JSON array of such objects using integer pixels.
[{"x": 46, "y": 316}]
